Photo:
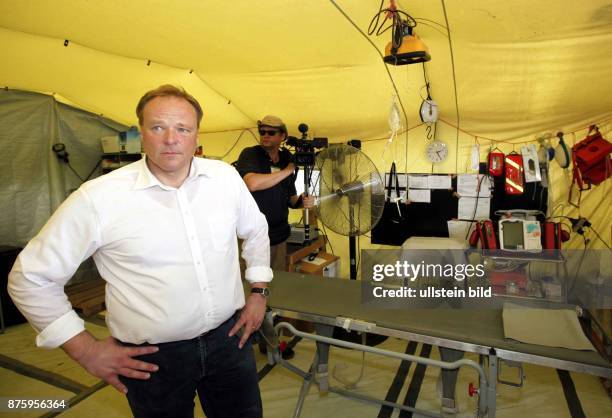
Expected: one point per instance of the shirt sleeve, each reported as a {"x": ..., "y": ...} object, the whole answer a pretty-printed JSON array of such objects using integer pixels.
[
  {"x": 36, "y": 282},
  {"x": 247, "y": 162},
  {"x": 291, "y": 186},
  {"x": 252, "y": 228},
  {"x": 290, "y": 181}
]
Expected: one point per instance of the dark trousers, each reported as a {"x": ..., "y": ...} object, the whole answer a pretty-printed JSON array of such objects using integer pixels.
[{"x": 224, "y": 376}]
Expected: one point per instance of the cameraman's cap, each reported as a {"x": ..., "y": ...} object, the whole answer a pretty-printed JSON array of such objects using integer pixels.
[{"x": 273, "y": 122}]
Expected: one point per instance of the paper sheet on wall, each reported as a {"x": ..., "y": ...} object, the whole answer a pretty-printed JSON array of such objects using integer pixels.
[
  {"x": 401, "y": 180},
  {"x": 419, "y": 195},
  {"x": 468, "y": 204},
  {"x": 467, "y": 184},
  {"x": 460, "y": 229},
  {"x": 439, "y": 182},
  {"x": 418, "y": 182},
  {"x": 548, "y": 327}
]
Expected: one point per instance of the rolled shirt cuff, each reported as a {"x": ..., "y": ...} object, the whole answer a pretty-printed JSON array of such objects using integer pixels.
[
  {"x": 258, "y": 274},
  {"x": 61, "y": 330}
]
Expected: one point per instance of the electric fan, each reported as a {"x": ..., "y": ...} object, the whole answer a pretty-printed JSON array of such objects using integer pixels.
[{"x": 352, "y": 194}]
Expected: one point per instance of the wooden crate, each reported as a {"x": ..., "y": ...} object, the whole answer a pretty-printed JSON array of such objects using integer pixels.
[{"x": 87, "y": 297}]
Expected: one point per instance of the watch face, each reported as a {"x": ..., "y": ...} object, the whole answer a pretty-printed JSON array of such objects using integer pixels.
[
  {"x": 437, "y": 151},
  {"x": 262, "y": 291}
]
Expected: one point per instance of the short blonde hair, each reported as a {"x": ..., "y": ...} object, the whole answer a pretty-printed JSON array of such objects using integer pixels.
[{"x": 168, "y": 90}]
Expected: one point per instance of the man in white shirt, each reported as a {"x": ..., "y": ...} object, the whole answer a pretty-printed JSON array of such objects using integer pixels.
[{"x": 163, "y": 233}]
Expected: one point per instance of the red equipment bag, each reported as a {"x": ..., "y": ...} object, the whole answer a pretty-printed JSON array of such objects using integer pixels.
[
  {"x": 591, "y": 158},
  {"x": 514, "y": 174},
  {"x": 486, "y": 234}
]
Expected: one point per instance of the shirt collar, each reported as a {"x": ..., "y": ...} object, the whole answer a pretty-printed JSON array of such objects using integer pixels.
[{"x": 146, "y": 179}]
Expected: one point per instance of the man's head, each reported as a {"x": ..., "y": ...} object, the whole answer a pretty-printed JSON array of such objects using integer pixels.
[
  {"x": 169, "y": 118},
  {"x": 272, "y": 132},
  {"x": 168, "y": 90}
]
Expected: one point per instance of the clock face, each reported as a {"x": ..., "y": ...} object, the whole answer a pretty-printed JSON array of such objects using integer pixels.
[{"x": 437, "y": 151}]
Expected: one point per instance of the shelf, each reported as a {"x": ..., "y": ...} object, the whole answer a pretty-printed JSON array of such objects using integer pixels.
[
  {"x": 549, "y": 256},
  {"x": 113, "y": 161}
]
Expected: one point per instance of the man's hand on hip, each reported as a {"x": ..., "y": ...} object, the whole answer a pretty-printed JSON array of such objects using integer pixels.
[
  {"x": 107, "y": 359},
  {"x": 251, "y": 317}
]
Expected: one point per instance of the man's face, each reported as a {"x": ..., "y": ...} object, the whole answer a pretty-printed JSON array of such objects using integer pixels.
[
  {"x": 270, "y": 137},
  {"x": 169, "y": 135}
]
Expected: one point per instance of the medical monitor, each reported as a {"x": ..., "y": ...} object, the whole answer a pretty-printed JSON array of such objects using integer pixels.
[{"x": 520, "y": 235}]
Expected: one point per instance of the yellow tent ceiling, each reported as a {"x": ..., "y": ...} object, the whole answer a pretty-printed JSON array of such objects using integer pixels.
[{"x": 521, "y": 67}]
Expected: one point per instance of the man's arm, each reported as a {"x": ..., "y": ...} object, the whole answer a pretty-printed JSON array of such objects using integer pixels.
[
  {"x": 36, "y": 285},
  {"x": 248, "y": 165},
  {"x": 252, "y": 227},
  {"x": 257, "y": 181},
  {"x": 36, "y": 282}
]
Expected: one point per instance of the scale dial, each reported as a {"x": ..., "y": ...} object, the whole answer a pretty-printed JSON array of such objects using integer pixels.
[
  {"x": 429, "y": 111},
  {"x": 436, "y": 151}
]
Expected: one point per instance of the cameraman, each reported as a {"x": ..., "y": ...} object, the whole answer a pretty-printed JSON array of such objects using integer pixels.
[{"x": 268, "y": 172}]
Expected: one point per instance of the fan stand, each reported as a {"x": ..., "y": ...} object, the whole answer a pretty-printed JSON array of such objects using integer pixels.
[
  {"x": 352, "y": 240},
  {"x": 306, "y": 214},
  {"x": 348, "y": 190}
]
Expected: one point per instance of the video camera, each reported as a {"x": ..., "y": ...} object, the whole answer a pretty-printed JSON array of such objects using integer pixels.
[{"x": 304, "y": 155}]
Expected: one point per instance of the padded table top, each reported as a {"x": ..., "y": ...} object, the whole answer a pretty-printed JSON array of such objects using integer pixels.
[{"x": 476, "y": 330}]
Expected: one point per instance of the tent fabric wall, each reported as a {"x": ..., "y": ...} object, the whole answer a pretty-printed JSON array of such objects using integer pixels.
[
  {"x": 34, "y": 181},
  {"x": 518, "y": 69}
]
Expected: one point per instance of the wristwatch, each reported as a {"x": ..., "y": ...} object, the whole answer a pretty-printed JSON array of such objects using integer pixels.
[{"x": 264, "y": 291}]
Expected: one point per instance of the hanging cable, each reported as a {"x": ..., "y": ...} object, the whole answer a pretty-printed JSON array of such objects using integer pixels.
[{"x": 386, "y": 69}]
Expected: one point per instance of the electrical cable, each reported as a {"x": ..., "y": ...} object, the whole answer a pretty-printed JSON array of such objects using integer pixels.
[
  {"x": 74, "y": 171},
  {"x": 386, "y": 69},
  {"x": 93, "y": 169},
  {"x": 476, "y": 205},
  {"x": 376, "y": 26}
]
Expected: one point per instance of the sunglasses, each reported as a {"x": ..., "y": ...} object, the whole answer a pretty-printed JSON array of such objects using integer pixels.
[{"x": 271, "y": 132}]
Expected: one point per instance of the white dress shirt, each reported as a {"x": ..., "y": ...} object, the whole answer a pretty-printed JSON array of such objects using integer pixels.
[{"x": 169, "y": 256}]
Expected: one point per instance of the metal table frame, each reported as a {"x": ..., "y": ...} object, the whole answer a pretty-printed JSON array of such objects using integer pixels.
[{"x": 311, "y": 298}]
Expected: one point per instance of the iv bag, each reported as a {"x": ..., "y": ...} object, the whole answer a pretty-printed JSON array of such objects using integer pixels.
[{"x": 395, "y": 121}]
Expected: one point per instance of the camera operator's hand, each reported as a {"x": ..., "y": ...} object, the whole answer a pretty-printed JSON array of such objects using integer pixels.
[{"x": 308, "y": 202}]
